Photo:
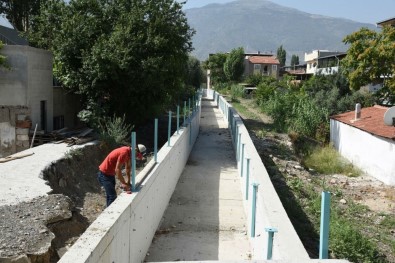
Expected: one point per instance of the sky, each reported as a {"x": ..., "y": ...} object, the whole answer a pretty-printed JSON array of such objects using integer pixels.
[{"x": 366, "y": 11}]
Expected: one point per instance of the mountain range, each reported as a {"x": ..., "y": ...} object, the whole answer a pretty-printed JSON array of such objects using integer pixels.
[{"x": 262, "y": 26}]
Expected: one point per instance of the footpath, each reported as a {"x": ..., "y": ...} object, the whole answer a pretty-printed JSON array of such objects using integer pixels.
[{"x": 205, "y": 218}]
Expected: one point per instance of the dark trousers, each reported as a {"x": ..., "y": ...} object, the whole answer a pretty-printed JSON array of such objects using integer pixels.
[{"x": 108, "y": 182}]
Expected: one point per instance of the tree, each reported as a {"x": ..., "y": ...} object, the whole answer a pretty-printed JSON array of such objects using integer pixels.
[
  {"x": 2, "y": 58},
  {"x": 124, "y": 57},
  {"x": 19, "y": 12},
  {"x": 194, "y": 73},
  {"x": 370, "y": 58},
  {"x": 234, "y": 64},
  {"x": 281, "y": 55},
  {"x": 215, "y": 63},
  {"x": 294, "y": 60}
]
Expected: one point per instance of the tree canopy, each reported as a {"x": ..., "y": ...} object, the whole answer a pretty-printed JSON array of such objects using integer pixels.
[
  {"x": 281, "y": 55},
  {"x": 370, "y": 58},
  {"x": 124, "y": 56},
  {"x": 234, "y": 64},
  {"x": 2, "y": 58},
  {"x": 19, "y": 12},
  {"x": 215, "y": 63},
  {"x": 294, "y": 60}
]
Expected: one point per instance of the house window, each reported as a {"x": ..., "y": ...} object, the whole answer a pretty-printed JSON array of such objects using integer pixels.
[
  {"x": 257, "y": 68},
  {"x": 274, "y": 68}
]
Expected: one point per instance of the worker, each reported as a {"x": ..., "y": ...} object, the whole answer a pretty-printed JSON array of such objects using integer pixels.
[{"x": 112, "y": 166}]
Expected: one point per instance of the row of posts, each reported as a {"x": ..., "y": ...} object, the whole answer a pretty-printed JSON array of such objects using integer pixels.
[
  {"x": 240, "y": 157},
  {"x": 187, "y": 116}
]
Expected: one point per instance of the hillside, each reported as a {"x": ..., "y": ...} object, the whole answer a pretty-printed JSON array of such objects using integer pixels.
[{"x": 260, "y": 25}]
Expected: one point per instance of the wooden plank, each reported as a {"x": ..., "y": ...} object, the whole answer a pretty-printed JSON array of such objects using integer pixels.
[{"x": 14, "y": 157}]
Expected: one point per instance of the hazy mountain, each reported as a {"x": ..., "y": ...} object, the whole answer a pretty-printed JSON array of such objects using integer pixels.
[{"x": 260, "y": 25}]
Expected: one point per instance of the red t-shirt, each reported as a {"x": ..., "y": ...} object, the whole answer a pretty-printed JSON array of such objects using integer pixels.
[{"x": 121, "y": 154}]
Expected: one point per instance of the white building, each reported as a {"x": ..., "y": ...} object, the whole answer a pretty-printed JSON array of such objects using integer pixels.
[
  {"x": 323, "y": 61},
  {"x": 366, "y": 141}
]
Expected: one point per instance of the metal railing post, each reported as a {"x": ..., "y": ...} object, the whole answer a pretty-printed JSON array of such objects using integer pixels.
[
  {"x": 133, "y": 161},
  {"x": 270, "y": 231},
  {"x": 324, "y": 227},
  {"x": 169, "y": 130},
  {"x": 253, "y": 207},
  {"x": 156, "y": 141},
  {"x": 189, "y": 110},
  {"x": 185, "y": 111},
  {"x": 242, "y": 159},
  {"x": 247, "y": 176},
  {"x": 178, "y": 119}
]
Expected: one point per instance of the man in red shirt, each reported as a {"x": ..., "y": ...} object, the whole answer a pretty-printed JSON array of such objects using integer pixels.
[{"x": 112, "y": 166}]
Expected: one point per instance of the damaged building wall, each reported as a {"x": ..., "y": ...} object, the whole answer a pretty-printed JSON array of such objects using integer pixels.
[{"x": 14, "y": 129}]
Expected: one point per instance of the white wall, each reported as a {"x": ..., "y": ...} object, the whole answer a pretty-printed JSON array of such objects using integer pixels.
[
  {"x": 372, "y": 154},
  {"x": 28, "y": 81},
  {"x": 124, "y": 231},
  {"x": 270, "y": 211}
]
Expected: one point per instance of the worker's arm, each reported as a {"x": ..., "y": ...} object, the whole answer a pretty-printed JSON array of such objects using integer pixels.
[{"x": 118, "y": 172}]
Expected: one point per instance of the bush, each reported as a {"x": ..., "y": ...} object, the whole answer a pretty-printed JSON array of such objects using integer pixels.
[
  {"x": 114, "y": 131},
  {"x": 236, "y": 92},
  {"x": 327, "y": 160}
]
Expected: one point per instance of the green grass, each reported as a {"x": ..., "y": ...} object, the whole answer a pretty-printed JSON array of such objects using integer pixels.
[
  {"x": 244, "y": 111},
  {"x": 327, "y": 160}
]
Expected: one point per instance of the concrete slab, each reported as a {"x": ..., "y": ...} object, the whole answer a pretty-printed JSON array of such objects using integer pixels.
[
  {"x": 205, "y": 219},
  {"x": 21, "y": 179}
]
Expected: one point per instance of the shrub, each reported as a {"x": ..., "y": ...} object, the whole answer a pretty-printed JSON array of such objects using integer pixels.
[
  {"x": 236, "y": 92},
  {"x": 114, "y": 130},
  {"x": 327, "y": 160}
]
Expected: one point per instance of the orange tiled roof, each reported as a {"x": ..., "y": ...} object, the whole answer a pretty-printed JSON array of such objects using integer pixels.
[
  {"x": 371, "y": 121},
  {"x": 263, "y": 60}
]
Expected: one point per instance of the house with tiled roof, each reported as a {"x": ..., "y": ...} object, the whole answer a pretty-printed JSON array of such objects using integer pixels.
[
  {"x": 364, "y": 139},
  {"x": 262, "y": 64},
  {"x": 387, "y": 22}
]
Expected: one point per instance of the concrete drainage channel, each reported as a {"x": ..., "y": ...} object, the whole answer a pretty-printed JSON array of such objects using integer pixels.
[{"x": 42, "y": 229}]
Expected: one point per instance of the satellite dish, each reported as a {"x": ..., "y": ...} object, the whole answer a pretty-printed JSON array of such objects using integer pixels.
[{"x": 389, "y": 116}]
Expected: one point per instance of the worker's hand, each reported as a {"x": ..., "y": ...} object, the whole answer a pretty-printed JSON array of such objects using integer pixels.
[{"x": 125, "y": 187}]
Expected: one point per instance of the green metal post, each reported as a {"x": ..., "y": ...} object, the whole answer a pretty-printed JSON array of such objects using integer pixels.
[
  {"x": 185, "y": 111},
  {"x": 324, "y": 227},
  {"x": 242, "y": 159},
  {"x": 253, "y": 211},
  {"x": 178, "y": 119},
  {"x": 169, "y": 130},
  {"x": 247, "y": 176},
  {"x": 133, "y": 161},
  {"x": 270, "y": 231},
  {"x": 156, "y": 141}
]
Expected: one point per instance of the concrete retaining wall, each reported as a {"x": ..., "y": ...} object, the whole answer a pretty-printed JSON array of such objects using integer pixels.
[
  {"x": 124, "y": 231},
  {"x": 269, "y": 210}
]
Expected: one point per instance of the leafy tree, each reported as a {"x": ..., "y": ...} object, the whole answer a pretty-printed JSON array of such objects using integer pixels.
[
  {"x": 19, "y": 12},
  {"x": 46, "y": 24},
  {"x": 234, "y": 64},
  {"x": 194, "y": 73},
  {"x": 2, "y": 58},
  {"x": 370, "y": 58},
  {"x": 124, "y": 57},
  {"x": 294, "y": 60},
  {"x": 281, "y": 55},
  {"x": 215, "y": 63}
]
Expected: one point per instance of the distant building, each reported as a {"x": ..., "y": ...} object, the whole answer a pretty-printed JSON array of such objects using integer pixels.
[
  {"x": 323, "y": 61},
  {"x": 262, "y": 64},
  {"x": 298, "y": 72},
  {"x": 387, "y": 22},
  {"x": 366, "y": 141},
  {"x": 10, "y": 36}
]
